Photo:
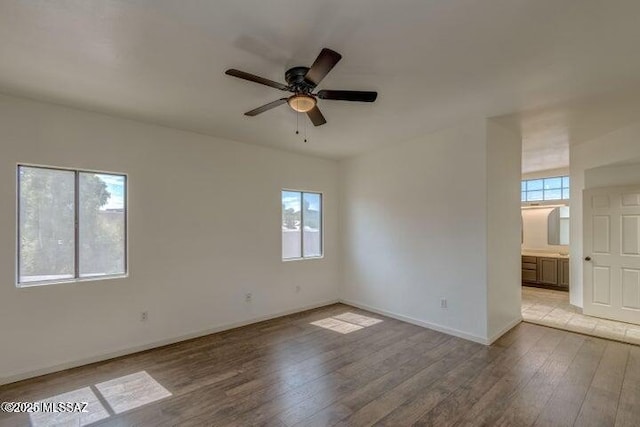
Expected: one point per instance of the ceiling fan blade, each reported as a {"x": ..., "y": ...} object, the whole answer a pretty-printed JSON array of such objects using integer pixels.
[
  {"x": 266, "y": 107},
  {"x": 348, "y": 95},
  {"x": 256, "y": 79},
  {"x": 322, "y": 65},
  {"x": 316, "y": 116}
]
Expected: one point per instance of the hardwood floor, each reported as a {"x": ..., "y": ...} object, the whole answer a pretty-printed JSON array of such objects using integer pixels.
[{"x": 287, "y": 372}]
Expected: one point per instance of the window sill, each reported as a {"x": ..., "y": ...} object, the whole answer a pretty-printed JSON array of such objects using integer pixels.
[
  {"x": 309, "y": 258},
  {"x": 68, "y": 281}
]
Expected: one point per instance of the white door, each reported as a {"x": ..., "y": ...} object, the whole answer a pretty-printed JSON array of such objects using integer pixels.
[{"x": 612, "y": 253}]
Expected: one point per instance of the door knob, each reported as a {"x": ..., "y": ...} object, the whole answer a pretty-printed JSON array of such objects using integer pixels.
[{"x": 587, "y": 258}]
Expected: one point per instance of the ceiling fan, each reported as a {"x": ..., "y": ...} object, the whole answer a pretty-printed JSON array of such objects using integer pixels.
[{"x": 302, "y": 81}]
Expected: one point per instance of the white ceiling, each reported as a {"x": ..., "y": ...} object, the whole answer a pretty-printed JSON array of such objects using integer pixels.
[
  {"x": 433, "y": 63},
  {"x": 548, "y": 133}
]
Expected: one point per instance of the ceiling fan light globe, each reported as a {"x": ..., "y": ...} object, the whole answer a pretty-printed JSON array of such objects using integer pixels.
[{"x": 302, "y": 103}]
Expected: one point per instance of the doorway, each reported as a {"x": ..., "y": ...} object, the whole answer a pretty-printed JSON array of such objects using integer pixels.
[
  {"x": 611, "y": 240},
  {"x": 545, "y": 230}
]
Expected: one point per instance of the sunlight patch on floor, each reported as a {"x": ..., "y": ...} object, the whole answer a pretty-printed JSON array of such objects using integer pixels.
[
  {"x": 103, "y": 400},
  {"x": 346, "y": 322},
  {"x": 95, "y": 410},
  {"x": 131, "y": 391},
  {"x": 357, "y": 319}
]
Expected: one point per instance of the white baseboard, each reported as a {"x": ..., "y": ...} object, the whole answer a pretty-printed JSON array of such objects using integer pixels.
[
  {"x": 130, "y": 350},
  {"x": 504, "y": 330},
  {"x": 428, "y": 325}
]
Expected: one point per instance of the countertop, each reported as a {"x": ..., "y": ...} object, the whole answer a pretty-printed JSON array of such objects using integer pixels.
[{"x": 545, "y": 254}]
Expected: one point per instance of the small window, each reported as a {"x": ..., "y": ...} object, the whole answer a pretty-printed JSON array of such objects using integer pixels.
[
  {"x": 535, "y": 184},
  {"x": 72, "y": 225},
  {"x": 545, "y": 189},
  {"x": 301, "y": 224}
]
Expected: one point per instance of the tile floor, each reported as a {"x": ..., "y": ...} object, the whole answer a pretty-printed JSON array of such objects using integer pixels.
[{"x": 551, "y": 308}]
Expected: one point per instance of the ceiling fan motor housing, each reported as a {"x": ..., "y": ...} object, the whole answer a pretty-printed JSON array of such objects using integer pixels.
[{"x": 295, "y": 77}]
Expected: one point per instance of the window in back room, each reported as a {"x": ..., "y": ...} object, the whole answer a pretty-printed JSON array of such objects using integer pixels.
[{"x": 545, "y": 189}]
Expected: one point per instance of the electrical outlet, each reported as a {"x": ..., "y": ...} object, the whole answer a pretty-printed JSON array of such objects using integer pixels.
[
  {"x": 144, "y": 316},
  {"x": 443, "y": 303},
  {"x": 248, "y": 297}
]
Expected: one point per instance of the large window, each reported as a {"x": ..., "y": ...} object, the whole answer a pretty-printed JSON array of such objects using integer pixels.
[
  {"x": 301, "y": 224},
  {"x": 71, "y": 225},
  {"x": 545, "y": 189}
]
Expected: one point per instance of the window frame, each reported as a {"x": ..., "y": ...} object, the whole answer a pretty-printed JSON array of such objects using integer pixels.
[
  {"x": 543, "y": 190},
  {"x": 321, "y": 214},
  {"x": 76, "y": 197}
]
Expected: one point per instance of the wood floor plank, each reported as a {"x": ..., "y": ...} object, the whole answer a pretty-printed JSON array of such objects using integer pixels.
[
  {"x": 629, "y": 406},
  {"x": 413, "y": 405},
  {"x": 494, "y": 401},
  {"x": 357, "y": 388},
  {"x": 312, "y": 402},
  {"x": 564, "y": 403},
  {"x": 289, "y": 371},
  {"x": 375, "y": 406},
  {"x": 327, "y": 417},
  {"x": 450, "y": 410},
  {"x": 527, "y": 404},
  {"x": 600, "y": 405},
  {"x": 357, "y": 374}
]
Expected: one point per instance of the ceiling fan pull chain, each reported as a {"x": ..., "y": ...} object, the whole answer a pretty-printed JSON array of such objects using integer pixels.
[
  {"x": 297, "y": 115},
  {"x": 305, "y": 131}
]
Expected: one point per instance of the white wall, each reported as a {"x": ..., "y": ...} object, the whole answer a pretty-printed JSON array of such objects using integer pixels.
[
  {"x": 546, "y": 173},
  {"x": 612, "y": 176},
  {"x": 504, "y": 275},
  {"x": 619, "y": 146},
  {"x": 414, "y": 226},
  {"x": 204, "y": 222}
]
